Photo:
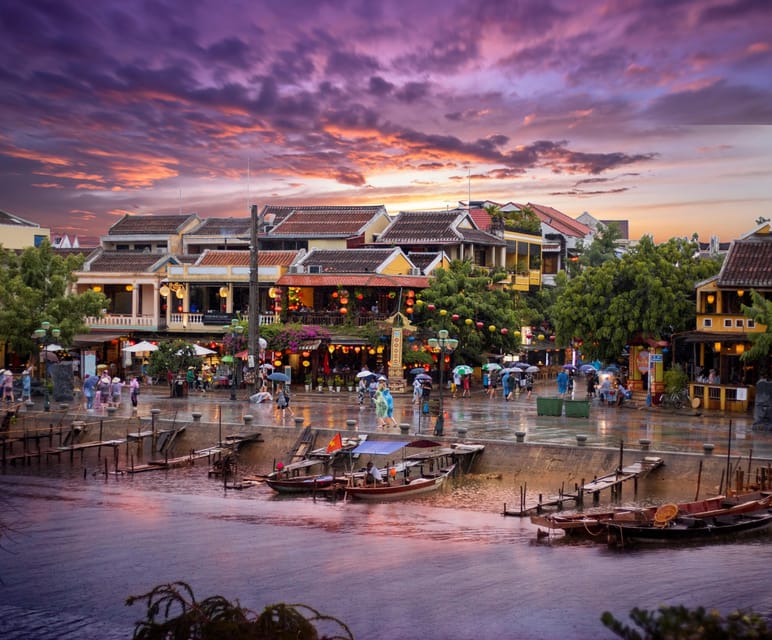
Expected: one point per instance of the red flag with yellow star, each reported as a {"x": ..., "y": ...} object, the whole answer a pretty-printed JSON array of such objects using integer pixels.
[{"x": 335, "y": 444}]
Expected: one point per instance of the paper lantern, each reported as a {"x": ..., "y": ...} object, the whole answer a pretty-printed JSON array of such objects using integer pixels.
[
  {"x": 430, "y": 307},
  {"x": 504, "y": 331},
  {"x": 492, "y": 328},
  {"x": 468, "y": 321},
  {"x": 480, "y": 325},
  {"x": 443, "y": 312},
  {"x": 454, "y": 317}
]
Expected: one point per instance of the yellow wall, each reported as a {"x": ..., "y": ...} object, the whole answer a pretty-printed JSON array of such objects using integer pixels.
[{"x": 15, "y": 237}]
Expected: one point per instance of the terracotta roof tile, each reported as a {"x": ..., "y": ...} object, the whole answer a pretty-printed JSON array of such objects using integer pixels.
[
  {"x": 342, "y": 222},
  {"x": 748, "y": 264},
  {"x": 265, "y": 258},
  {"x": 222, "y": 227},
  {"x": 558, "y": 220},
  {"x": 436, "y": 227},
  {"x": 150, "y": 224},
  {"x": 130, "y": 262},
  {"x": 352, "y": 280},
  {"x": 347, "y": 261}
]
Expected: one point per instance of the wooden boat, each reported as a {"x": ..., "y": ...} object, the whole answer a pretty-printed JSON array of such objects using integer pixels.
[
  {"x": 303, "y": 484},
  {"x": 596, "y": 522},
  {"x": 400, "y": 488},
  {"x": 682, "y": 529}
]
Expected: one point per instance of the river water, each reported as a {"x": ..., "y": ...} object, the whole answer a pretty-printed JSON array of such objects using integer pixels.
[{"x": 77, "y": 547}]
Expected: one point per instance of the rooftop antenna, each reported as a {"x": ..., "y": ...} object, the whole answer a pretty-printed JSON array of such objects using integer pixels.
[
  {"x": 248, "y": 178},
  {"x": 180, "y": 200},
  {"x": 469, "y": 186}
]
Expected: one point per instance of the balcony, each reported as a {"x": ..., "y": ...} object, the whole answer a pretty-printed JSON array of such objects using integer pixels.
[
  {"x": 194, "y": 322},
  {"x": 125, "y": 322}
]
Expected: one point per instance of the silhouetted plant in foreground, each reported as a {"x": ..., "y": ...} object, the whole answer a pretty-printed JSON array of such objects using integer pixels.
[
  {"x": 173, "y": 613},
  {"x": 680, "y": 623}
]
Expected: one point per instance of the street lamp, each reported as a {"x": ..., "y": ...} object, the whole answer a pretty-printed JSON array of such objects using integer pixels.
[
  {"x": 43, "y": 334},
  {"x": 234, "y": 330},
  {"x": 444, "y": 344}
]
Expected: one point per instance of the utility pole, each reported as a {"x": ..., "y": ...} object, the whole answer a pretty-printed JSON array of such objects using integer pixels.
[{"x": 253, "y": 336}]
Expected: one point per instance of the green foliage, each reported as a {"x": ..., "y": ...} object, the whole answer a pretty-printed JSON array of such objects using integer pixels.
[
  {"x": 473, "y": 294},
  {"x": 676, "y": 379},
  {"x": 174, "y": 356},
  {"x": 174, "y": 613},
  {"x": 648, "y": 292},
  {"x": 602, "y": 248},
  {"x": 36, "y": 285},
  {"x": 680, "y": 623},
  {"x": 760, "y": 311}
]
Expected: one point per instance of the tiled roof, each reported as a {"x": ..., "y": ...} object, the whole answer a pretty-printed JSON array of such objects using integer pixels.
[
  {"x": 558, "y": 220},
  {"x": 150, "y": 224},
  {"x": 748, "y": 264},
  {"x": 10, "y": 219},
  {"x": 130, "y": 262},
  {"x": 222, "y": 227},
  {"x": 476, "y": 236},
  {"x": 265, "y": 258},
  {"x": 423, "y": 259},
  {"x": 481, "y": 218},
  {"x": 348, "y": 261},
  {"x": 312, "y": 222},
  {"x": 351, "y": 280},
  {"x": 436, "y": 227}
]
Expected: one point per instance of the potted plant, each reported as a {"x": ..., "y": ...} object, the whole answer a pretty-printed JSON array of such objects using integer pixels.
[
  {"x": 320, "y": 383},
  {"x": 308, "y": 382},
  {"x": 338, "y": 380}
]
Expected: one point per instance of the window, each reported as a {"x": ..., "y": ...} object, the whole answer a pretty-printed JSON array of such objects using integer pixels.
[
  {"x": 727, "y": 323},
  {"x": 739, "y": 324},
  {"x": 751, "y": 324},
  {"x": 707, "y": 322}
]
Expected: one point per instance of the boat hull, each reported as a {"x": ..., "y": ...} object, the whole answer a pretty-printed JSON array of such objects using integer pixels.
[
  {"x": 415, "y": 487},
  {"x": 301, "y": 485},
  {"x": 690, "y": 529}
]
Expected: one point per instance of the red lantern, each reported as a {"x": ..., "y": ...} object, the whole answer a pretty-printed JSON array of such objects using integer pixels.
[
  {"x": 455, "y": 317},
  {"x": 409, "y": 311},
  {"x": 334, "y": 294},
  {"x": 504, "y": 331},
  {"x": 411, "y": 294},
  {"x": 480, "y": 325},
  {"x": 343, "y": 311},
  {"x": 344, "y": 300},
  {"x": 430, "y": 307}
]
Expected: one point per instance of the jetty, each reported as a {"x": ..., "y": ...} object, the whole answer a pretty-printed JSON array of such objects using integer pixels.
[{"x": 613, "y": 482}]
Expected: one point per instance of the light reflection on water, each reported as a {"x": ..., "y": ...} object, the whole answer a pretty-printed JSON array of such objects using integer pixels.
[{"x": 444, "y": 566}]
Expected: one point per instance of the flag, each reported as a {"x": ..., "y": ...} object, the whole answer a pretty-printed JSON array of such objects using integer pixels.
[{"x": 335, "y": 444}]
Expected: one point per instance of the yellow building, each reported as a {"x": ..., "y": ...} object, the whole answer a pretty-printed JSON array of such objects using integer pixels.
[{"x": 17, "y": 233}]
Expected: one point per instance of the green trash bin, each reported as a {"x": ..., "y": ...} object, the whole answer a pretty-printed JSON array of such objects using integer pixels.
[
  {"x": 577, "y": 408},
  {"x": 549, "y": 406}
]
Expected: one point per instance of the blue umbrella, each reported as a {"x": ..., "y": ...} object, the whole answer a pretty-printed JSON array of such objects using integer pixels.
[
  {"x": 418, "y": 370},
  {"x": 278, "y": 377}
]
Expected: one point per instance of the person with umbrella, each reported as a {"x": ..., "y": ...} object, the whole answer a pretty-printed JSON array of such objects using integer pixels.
[{"x": 283, "y": 400}]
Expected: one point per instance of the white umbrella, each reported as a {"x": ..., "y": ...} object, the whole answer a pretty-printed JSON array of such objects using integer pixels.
[
  {"x": 532, "y": 369},
  {"x": 54, "y": 347},
  {"x": 366, "y": 374},
  {"x": 141, "y": 347},
  {"x": 198, "y": 350}
]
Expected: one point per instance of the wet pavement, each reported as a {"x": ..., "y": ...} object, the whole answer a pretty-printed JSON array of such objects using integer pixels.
[{"x": 483, "y": 418}]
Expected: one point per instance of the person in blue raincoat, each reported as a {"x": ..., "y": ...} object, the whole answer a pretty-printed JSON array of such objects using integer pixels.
[
  {"x": 389, "y": 408},
  {"x": 562, "y": 382}
]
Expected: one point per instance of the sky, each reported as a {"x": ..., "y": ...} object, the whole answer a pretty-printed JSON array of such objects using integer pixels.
[{"x": 658, "y": 112}]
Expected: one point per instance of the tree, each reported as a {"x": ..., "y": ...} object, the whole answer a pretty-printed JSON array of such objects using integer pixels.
[
  {"x": 37, "y": 287},
  {"x": 648, "y": 292},
  {"x": 680, "y": 623},
  {"x": 174, "y": 355},
  {"x": 174, "y": 612},
  {"x": 468, "y": 302},
  {"x": 602, "y": 248},
  {"x": 760, "y": 311}
]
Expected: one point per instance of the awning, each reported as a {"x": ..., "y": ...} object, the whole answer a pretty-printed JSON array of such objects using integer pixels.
[
  {"x": 95, "y": 338},
  {"x": 387, "y": 447},
  {"x": 711, "y": 336}
]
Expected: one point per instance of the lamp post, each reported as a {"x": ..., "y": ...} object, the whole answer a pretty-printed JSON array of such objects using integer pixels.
[
  {"x": 234, "y": 330},
  {"x": 446, "y": 345},
  {"x": 43, "y": 334}
]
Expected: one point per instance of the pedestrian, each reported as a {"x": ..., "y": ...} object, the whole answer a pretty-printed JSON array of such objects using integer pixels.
[
  {"x": 562, "y": 381},
  {"x": 381, "y": 405},
  {"x": 89, "y": 390},
  {"x": 389, "y": 407},
  {"x": 26, "y": 385},
  {"x": 510, "y": 388},
  {"x": 529, "y": 384},
  {"x": 417, "y": 390},
  {"x": 134, "y": 391},
  {"x": 8, "y": 386},
  {"x": 283, "y": 401},
  {"x": 467, "y": 384},
  {"x": 116, "y": 388},
  {"x": 104, "y": 389},
  {"x": 493, "y": 384}
]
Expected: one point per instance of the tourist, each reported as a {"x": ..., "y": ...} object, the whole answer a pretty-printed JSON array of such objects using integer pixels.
[
  {"x": 89, "y": 390},
  {"x": 417, "y": 390},
  {"x": 381, "y": 405},
  {"x": 389, "y": 407},
  {"x": 8, "y": 386},
  {"x": 116, "y": 388},
  {"x": 467, "y": 384},
  {"x": 104, "y": 389},
  {"x": 26, "y": 385},
  {"x": 529, "y": 384},
  {"x": 283, "y": 401},
  {"x": 373, "y": 474},
  {"x": 134, "y": 390},
  {"x": 562, "y": 381},
  {"x": 509, "y": 388}
]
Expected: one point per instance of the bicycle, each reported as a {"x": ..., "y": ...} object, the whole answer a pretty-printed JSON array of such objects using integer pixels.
[{"x": 675, "y": 400}]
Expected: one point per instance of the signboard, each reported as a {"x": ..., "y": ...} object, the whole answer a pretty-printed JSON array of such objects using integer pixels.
[
  {"x": 213, "y": 317},
  {"x": 656, "y": 357},
  {"x": 742, "y": 394},
  {"x": 642, "y": 361}
]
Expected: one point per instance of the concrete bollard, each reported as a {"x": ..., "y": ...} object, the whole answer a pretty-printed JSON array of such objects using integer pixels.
[
  {"x": 461, "y": 431},
  {"x": 350, "y": 424},
  {"x": 299, "y": 422},
  {"x": 196, "y": 416},
  {"x": 520, "y": 435},
  {"x": 645, "y": 444},
  {"x": 111, "y": 411},
  {"x": 581, "y": 439},
  {"x": 404, "y": 428},
  {"x": 708, "y": 448},
  {"x": 247, "y": 419}
]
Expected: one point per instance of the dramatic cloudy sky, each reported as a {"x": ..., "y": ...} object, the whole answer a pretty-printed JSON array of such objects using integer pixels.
[{"x": 655, "y": 111}]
